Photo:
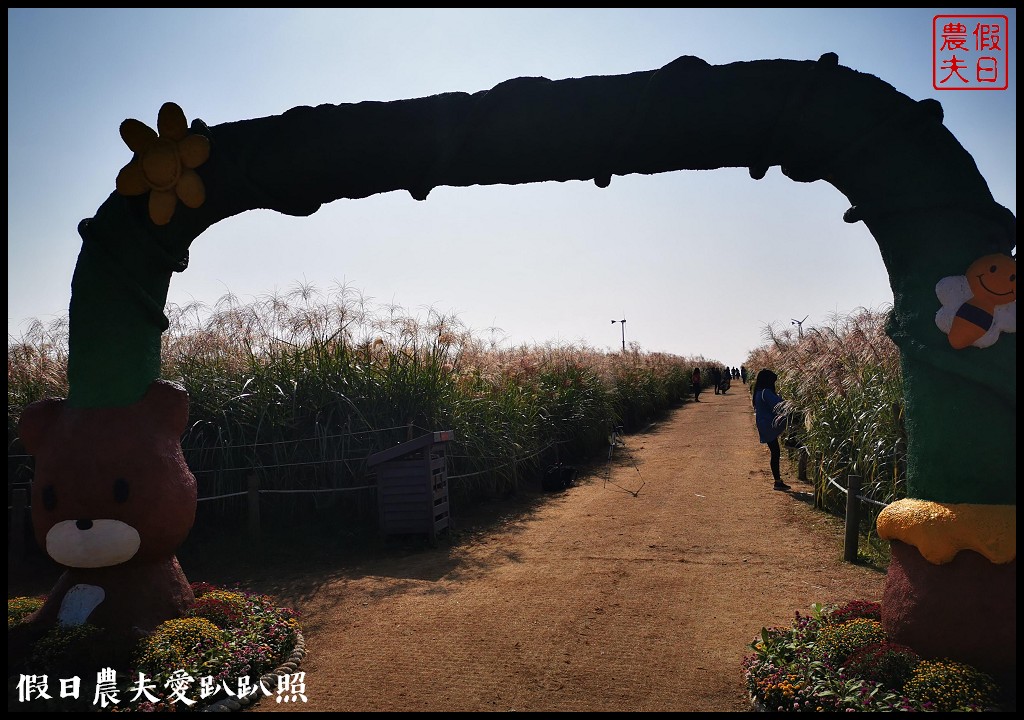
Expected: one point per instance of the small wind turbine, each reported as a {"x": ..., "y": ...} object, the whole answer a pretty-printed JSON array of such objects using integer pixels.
[
  {"x": 623, "y": 323},
  {"x": 800, "y": 326}
]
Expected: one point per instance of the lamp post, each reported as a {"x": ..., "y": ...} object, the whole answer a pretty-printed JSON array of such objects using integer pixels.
[{"x": 623, "y": 323}]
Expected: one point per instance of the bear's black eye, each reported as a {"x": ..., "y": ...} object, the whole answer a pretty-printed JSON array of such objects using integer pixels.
[
  {"x": 49, "y": 497},
  {"x": 120, "y": 490}
]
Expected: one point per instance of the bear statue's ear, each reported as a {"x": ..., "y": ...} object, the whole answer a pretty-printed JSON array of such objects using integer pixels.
[
  {"x": 36, "y": 421},
  {"x": 169, "y": 402}
]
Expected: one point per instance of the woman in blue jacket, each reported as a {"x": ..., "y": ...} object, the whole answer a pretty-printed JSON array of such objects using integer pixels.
[{"x": 770, "y": 423}]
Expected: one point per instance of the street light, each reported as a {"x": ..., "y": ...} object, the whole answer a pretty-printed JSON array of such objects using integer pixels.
[{"x": 623, "y": 323}]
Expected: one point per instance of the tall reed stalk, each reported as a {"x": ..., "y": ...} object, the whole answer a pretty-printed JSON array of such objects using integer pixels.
[{"x": 299, "y": 388}]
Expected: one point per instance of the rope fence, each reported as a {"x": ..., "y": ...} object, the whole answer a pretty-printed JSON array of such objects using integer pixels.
[
  {"x": 20, "y": 506},
  {"x": 854, "y": 499}
]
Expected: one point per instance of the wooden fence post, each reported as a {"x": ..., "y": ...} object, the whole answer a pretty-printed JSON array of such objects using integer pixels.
[
  {"x": 254, "y": 508},
  {"x": 852, "y": 517},
  {"x": 16, "y": 532}
]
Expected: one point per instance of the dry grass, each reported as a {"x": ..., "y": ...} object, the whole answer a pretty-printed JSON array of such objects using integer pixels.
[{"x": 300, "y": 387}]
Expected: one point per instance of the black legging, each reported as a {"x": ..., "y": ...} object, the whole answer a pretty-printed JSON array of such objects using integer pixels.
[{"x": 776, "y": 452}]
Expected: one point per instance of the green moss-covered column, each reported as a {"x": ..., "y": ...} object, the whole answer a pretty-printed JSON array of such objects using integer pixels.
[
  {"x": 951, "y": 584},
  {"x": 961, "y": 402},
  {"x": 116, "y": 314}
]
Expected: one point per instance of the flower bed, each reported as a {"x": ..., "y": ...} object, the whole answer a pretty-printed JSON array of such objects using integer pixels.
[
  {"x": 231, "y": 649},
  {"x": 838, "y": 659}
]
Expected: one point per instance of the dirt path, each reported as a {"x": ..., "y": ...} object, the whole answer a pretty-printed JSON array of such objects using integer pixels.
[{"x": 637, "y": 590}]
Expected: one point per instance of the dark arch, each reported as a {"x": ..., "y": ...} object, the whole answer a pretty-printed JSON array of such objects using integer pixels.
[{"x": 905, "y": 175}]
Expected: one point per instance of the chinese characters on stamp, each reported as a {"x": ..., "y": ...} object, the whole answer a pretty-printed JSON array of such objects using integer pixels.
[{"x": 970, "y": 52}]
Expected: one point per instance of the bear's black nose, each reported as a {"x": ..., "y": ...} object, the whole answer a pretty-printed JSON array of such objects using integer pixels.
[{"x": 83, "y": 524}]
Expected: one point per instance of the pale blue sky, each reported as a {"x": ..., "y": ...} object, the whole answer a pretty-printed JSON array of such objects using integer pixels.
[{"x": 697, "y": 262}]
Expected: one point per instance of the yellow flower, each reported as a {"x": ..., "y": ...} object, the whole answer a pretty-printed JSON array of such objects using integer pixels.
[{"x": 164, "y": 164}]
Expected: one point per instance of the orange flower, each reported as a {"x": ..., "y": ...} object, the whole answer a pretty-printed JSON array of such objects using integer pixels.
[{"x": 164, "y": 164}]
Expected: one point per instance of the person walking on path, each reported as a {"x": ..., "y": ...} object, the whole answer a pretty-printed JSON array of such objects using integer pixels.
[
  {"x": 716, "y": 378},
  {"x": 770, "y": 423},
  {"x": 695, "y": 384}
]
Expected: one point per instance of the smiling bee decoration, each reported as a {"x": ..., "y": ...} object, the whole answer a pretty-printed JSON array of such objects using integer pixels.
[{"x": 980, "y": 304}]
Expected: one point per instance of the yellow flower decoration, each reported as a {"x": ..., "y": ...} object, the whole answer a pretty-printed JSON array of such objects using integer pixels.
[{"x": 164, "y": 164}]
